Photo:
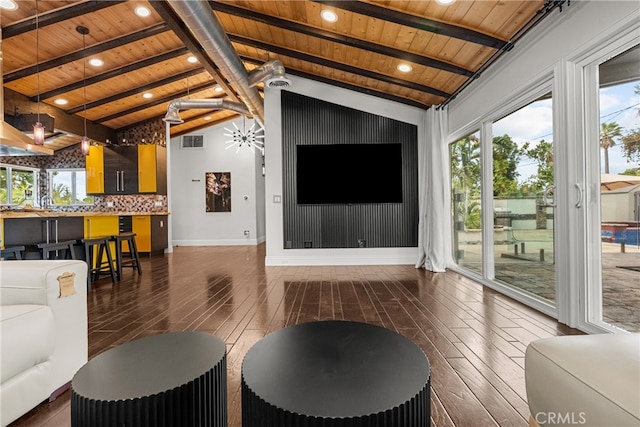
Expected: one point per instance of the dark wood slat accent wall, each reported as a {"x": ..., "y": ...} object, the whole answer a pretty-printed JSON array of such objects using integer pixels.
[{"x": 311, "y": 121}]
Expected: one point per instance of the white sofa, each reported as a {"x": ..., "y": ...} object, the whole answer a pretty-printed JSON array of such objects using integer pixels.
[
  {"x": 585, "y": 380},
  {"x": 43, "y": 331}
]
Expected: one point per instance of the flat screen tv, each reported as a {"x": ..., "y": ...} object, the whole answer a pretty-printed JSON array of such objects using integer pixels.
[{"x": 348, "y": 173}]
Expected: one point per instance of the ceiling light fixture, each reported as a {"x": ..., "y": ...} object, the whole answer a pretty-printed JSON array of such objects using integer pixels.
[
  {"x": 445, "y": 2},
  {"x": 142, "y": 11},
  {"x": 60, "y": 101},
  {"x": 192, "y": 59},
  {"x": 147, "y": 95},
  {"x": 329, "y": 15},
  {"x": 38, "y": 129},
  {"x": 85, "y": 142},
  {"x": 96, "y": 62},
  {"x": 404, "y": 68},
  {"x": 217, "y": 89},
  {"x": 8, "y": 5},
  {"x": 250, "y": 137}
]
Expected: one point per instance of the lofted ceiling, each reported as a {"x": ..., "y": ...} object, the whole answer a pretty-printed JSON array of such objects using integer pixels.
[{"x": 447, "y": 47}]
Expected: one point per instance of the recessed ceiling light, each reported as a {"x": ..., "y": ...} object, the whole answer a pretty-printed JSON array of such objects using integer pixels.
[
  {"x": 329, "y": 15},
  {"x": 405, "y": 68},
  {"x": 8, "y": 5},
  {"x": 96, "y": 62},
  {"x": 142, "y": 11},
  {"x": 207, "y": 118},
  {"x": 147, "y": 95},
  {"x": 192, "y": 59},
  {"x": 60, "y": 101},
  {"x": 217, "y": 89},
  {"x": 445, "y": 2}
]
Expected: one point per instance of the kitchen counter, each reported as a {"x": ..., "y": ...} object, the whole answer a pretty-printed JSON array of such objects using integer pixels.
[{"x": 46, "y": 213}]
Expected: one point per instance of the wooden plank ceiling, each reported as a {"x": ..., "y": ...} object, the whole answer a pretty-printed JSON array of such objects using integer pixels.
[{"x": 446, "y": 47}]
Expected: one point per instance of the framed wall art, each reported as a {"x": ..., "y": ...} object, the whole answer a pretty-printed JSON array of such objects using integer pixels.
[{"x": 218, "y": 191}]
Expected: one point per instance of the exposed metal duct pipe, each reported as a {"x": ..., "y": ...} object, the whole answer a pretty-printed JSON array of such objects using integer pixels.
[
  {"x": 176, "y": 105},
  {"x": 272, "y": 73},
  {"x": 205, "y": 27}
]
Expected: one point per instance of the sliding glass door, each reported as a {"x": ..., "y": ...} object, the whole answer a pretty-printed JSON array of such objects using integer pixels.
[
  {"x": 618, "y": 293},
  {"x": 466, "y": 202},
  {"x": 523, "y": 202},
  {"x": 555, "y": 181}
]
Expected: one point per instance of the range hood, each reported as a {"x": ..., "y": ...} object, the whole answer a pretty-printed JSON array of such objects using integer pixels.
[{"x": 12, "y": 141}]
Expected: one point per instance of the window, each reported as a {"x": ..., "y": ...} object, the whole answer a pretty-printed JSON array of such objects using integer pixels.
[
  {"x": 68, "y": 187},
  {"x": 18, "y": 185}
]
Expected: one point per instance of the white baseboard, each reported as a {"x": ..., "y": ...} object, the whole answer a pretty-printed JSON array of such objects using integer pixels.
[
  {"x": 216, "y": 242},
  {"x": 337, "y": 259}
]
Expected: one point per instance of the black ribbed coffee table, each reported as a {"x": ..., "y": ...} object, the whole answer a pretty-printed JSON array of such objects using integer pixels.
[
  {"x": 335, "y": 373},
  {"x": 173, "y": 379}
]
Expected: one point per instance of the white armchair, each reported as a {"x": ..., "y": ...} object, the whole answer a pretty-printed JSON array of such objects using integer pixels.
[{"x": 43, "y": 331}]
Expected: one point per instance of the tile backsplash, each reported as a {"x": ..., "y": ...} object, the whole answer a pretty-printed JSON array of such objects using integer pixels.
[{"x": 72, "y": 157}]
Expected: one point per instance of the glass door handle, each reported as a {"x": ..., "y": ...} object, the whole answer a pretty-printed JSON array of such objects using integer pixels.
[
  {"x": 580, "y": 195},
  {"x": 545, "y": 196}
]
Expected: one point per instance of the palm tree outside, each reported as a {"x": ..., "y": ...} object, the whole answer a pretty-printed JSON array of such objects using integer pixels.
[{"x": 608, "y": 131}]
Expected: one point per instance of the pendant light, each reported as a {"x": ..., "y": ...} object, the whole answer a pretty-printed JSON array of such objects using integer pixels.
[
  {"x": 85, "y": 143},
  {"x": 38, "y": 129}
]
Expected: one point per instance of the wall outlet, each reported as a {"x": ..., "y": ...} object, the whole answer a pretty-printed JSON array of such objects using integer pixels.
[
  {"x": 109, "y": 204},
  {"x": 246, "y": 233},
  {"x": 157, "y": 203}
]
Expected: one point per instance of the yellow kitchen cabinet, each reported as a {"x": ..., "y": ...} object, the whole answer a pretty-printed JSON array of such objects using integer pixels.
[
  {"x": 152, "y": 169},
  {"x": 141, "y": 225},
  {"x": 99, "y": 226},
  {"x": 95, "y": 170},
  {"x": 140, "y": 169}
]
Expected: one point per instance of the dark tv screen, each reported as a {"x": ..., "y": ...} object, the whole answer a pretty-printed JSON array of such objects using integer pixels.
[{"x": 349, "y": 173}]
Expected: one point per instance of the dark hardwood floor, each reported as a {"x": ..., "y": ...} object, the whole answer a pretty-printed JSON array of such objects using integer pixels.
[{"x": 474, "y": 337}]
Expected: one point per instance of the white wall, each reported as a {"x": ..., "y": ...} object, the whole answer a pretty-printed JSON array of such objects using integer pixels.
[
  {"x": 191, "y": 224},
  {"x": 276, "y": 254}
]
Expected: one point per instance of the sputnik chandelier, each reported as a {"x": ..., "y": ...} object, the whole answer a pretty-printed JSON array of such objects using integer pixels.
[{"x": 252, "y": 137}]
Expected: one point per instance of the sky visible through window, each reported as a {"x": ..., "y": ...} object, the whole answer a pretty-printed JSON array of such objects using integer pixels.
[
  {"x": 64, "y": 177},
  {"x": 533, "y": 123}
]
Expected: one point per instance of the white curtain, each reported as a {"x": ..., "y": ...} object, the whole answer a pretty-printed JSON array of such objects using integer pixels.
[{"x": 434, "y": 225}]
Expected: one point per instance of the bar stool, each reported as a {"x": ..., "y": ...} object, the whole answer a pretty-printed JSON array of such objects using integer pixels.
[
  {"x": 58, "y": 250},
  {"x": 12, "y": 253},
  {"x": 95, "y": 250},
  {"x": 133, "y": 260}
]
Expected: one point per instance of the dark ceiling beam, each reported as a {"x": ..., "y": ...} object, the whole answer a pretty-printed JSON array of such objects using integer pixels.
[
  {"x": 337, "y": 65},
  {"x": 205, "y": 125},
  {"x": 180, "y": 30},
  {"x": 338, "y": 83},
  {"x": 155, "y": 102},
  {"x": 417, "y": 22},
  {"x": 338, "y": 38},
  {"x": 137, "y": 90},
  {"x": 91, "y": 50},
  {"x": 114, "y": 73},
  {"x": 157, "y": 118},
  {"x": 56, "y": 16}
]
